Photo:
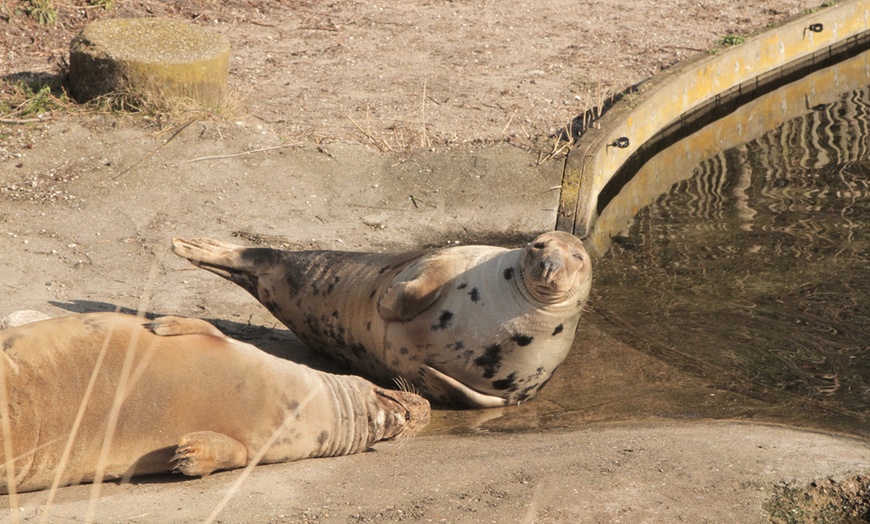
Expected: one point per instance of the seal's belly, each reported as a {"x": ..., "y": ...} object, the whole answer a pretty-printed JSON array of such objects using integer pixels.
[{"x": 499, "y": 348}]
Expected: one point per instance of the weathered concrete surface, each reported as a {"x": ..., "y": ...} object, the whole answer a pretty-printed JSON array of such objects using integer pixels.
[
  {"x": 669, "y": 472},
  {"x": 159, "y": 58},
  {"x": 227, "y": 181}
]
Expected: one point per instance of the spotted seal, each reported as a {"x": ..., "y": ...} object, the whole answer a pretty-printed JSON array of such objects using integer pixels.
[
  {"x": 190, "y": 400},
  {"x": 474, "y": 326}
]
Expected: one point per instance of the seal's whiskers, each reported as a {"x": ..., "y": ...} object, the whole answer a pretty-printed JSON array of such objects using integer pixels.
[{"x": 402, "y": 384}]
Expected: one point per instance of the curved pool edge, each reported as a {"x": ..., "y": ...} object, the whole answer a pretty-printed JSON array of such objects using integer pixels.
[{"x": 712, "y": 83}]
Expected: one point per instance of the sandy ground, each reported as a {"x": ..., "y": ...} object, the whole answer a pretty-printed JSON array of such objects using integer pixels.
[
  {"x": 366, "y": 127},
  {"x": 672, "y": 472}
]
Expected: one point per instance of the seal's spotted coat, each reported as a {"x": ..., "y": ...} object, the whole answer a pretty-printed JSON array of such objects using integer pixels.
[{"x": 477, "y": 326}]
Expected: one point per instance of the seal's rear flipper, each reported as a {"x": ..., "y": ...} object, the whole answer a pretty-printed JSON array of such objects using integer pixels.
[
  {"x": 205, "y": 251},
  {"x": 448, "y": 390},
  {"x": 203, "y": 452},
  {"x": 238, "y": 264}
]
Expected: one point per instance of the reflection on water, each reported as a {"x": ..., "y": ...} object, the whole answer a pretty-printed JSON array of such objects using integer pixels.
[{"x": 754, "y": 274}]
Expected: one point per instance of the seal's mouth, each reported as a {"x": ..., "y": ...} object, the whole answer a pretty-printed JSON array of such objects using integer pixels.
[
  {"x": 550, "y": 269},
  {"x": 548, "y": 282},
  {"x": 552, "y": 292}
]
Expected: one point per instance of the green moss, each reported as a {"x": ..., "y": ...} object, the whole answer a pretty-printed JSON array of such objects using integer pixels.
[
  {"x": 731, "y": 39},
  {"x": 822, "y": 502},
  {"x": 43, "y": 11}
]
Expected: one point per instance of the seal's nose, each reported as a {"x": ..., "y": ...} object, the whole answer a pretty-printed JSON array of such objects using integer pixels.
[{"x": 550, "y": 267}]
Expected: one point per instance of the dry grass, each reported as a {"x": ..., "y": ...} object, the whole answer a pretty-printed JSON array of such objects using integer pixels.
[{"x": 32, "y": 98}]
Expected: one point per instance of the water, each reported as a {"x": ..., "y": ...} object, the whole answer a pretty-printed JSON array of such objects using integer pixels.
[{"x": 754, "y": 273}]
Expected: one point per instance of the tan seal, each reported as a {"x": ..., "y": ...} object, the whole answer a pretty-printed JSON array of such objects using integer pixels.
[
  {"x": 477, "y": 326},
  {"x": 173, "y": 394}
]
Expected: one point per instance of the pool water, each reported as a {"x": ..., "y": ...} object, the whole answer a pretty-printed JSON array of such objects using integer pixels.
[{"x": 753, "y": 274}]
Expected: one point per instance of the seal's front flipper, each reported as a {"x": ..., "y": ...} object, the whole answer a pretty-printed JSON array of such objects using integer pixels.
[
  {"x": 450, "y": 391},
  {"x": 171, "y": 326},
  {"x": 200, "y": 453},
  {"x": 406, "y": 299}
]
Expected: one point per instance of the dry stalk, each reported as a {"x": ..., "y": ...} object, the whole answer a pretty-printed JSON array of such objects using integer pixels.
[
  {"x": 424, "y": 139},
  {"x": 598, "y": 99},
  {"x": 243, "y": 476},
  {"x": 64, "y": 458},
  {"x": 232, "y": 155},
  {"x": 9, "y": 460},
  {"x": 510, "y": 120},
  {"x": 587, "y": 116},
  {"x": 152, "y": 153},
  {"x": 123, "y": 388},
  {"x": 558, "y": 146},
  {"x": 24, "y": 120},
  {"x": 377, "y": 143}
]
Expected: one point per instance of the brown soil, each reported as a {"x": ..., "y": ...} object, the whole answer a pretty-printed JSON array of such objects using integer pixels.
[
  {"x": 424, "y": 73},
  {"x": 846, "y": 501},
  {"x": 369, "y": 127}
]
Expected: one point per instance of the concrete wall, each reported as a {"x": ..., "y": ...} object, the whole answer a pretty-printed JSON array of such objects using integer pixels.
[
  {"x": 749, "y": 122},
  {"x": 671, "y": 97}
]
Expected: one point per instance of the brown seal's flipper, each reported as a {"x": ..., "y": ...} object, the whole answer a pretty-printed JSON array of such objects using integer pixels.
[
  {"x": 203, "y": 452},
  {"x": 241, "y": 265},
  {"x": 172, "y": 326},
  {"x": 450, "y": 391}
]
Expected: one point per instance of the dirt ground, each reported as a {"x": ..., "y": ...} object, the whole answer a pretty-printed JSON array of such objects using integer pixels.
[
  {"x": 361, "y": 126},
  {"x": 423, "y": 73}
]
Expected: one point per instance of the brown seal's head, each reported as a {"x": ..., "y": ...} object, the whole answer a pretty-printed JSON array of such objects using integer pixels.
[
  {"x": 405, "y": 413},
  {"x": 555, "y": 267}
]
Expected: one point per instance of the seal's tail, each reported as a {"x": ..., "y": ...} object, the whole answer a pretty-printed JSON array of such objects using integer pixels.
[{"x": 238, "y": 264}]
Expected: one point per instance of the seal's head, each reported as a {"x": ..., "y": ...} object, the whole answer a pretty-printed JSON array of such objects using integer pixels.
[
  {"x": 555, "y": 268},
  {"x": 404, "y": 413}
]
